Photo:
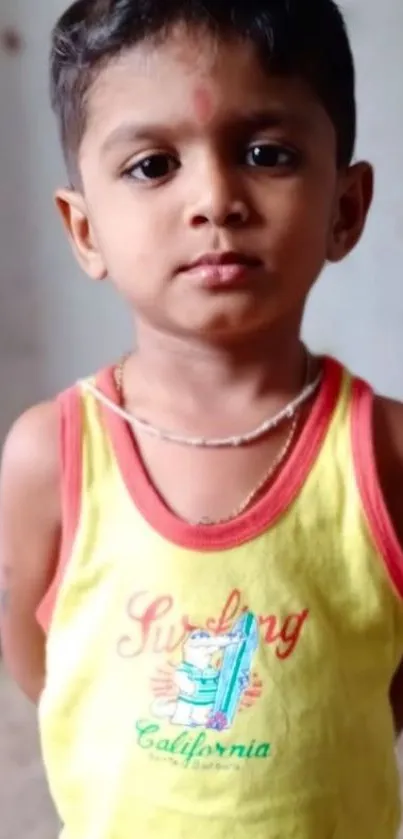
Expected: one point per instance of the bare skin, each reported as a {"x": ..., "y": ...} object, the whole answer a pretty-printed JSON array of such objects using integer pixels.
[
  {"x": 388, "y": 437},
  {"x": 30, "y": 518},
  {"x": 208, "y": 363},
  {"x": 203, "y": 105}
]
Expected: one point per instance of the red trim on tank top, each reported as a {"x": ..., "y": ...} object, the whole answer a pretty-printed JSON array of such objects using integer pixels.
[
  {"x": 375, "y": 509},
  {"x": 263, "y": 514},
  {"x": 70, "y": 448}
]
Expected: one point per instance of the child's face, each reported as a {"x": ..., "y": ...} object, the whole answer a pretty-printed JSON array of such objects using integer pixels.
[{"x": 191, "y": 149}]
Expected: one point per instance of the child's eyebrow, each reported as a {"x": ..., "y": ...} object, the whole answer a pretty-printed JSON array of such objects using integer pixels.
[
  {"x": 129, "y": 132},
  {"x": 273, "y": 118}
]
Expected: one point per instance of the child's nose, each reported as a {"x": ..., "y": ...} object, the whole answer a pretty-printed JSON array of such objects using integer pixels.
[{"x": 218, "y": 201}]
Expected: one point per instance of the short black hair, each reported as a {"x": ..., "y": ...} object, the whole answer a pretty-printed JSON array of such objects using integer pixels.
[{"x": 304, "y": 38}]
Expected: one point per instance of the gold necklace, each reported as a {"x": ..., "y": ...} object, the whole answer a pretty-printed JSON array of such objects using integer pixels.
[
  {"x": 247, "y": 502},
  {"x": 263, "y": 483}
]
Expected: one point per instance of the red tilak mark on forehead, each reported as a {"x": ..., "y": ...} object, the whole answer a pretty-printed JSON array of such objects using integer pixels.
[{"x": 203, "y": 104}]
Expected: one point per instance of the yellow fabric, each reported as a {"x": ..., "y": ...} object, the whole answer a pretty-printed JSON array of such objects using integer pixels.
[{"x": 132, "y": 745}]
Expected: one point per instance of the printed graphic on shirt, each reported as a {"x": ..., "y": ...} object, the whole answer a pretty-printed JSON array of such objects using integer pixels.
[
  {"x": 201, "y": 696},
  {"x": 211, "y": 679},
  {"x": 205, "y": 676},
  {"x": 156, "y": 626}
]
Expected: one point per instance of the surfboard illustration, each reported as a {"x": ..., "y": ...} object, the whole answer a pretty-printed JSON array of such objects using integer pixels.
[{"x": 235, "y": 672}]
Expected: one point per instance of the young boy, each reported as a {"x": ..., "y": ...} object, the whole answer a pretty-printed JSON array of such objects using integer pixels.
[{"x": 203, "y": 585}]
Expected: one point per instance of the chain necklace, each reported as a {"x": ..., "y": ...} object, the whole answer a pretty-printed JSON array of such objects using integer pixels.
[
  {"x": 263, "y": 483},
  {"x": 290, "y": 412},
  {"x": 235, "y": 441}
]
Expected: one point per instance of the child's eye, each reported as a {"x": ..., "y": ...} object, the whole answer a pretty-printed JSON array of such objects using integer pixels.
[
  {"x": 271, "y": 156},
  {"x": 153, "y": 168}
]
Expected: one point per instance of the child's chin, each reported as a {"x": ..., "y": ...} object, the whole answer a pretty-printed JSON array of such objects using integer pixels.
[{"x": 228, "y": 324}]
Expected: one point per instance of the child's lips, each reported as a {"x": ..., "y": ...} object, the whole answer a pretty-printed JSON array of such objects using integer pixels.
[{"x": 222, "y": 270}]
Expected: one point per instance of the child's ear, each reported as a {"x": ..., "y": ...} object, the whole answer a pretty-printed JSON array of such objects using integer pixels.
[
  {"x": 73, "y": 210},
  {"x": 353, "y": 202}
]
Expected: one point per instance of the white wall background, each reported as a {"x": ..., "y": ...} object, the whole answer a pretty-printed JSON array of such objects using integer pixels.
[{"x": 55, "y": 326}]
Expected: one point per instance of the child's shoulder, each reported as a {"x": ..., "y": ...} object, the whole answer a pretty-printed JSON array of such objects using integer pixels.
[
  {"x": 31, "y": 449},
  {"x": 388, "y": 453},
  {"x": 30, "y": 505},
  {"x": 388, "y": 444}
]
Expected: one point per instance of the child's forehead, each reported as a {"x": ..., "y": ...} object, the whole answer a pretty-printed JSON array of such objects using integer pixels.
[
  {"x": 181, "y": 64},
  {"x": 182, "y": 79}
]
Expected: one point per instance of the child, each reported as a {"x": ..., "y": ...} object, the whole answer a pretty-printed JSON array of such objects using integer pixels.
[{"x": 205, "y": 590}]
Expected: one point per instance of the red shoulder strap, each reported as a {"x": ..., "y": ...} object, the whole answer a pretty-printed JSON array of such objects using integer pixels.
[{"x": 70, "y": 424}]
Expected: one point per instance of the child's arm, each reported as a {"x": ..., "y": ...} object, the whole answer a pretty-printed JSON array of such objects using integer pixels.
[
  {"x": 388, "y": 438},
  {"x": 30, "y": 516},
  {"x": 388, "y": 434}
]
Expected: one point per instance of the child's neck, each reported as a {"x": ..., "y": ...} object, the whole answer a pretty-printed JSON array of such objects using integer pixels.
[{"x": 201, "y": 376}]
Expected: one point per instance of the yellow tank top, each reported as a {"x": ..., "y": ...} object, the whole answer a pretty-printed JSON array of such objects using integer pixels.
[{"x": 224, "y": 681}]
